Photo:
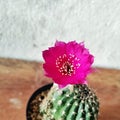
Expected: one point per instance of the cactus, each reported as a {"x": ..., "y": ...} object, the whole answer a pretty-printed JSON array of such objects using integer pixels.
[{"x": 74, "y": 102}]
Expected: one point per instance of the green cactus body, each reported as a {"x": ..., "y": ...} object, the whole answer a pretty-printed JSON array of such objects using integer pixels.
[{"x": 77, "y": 102}]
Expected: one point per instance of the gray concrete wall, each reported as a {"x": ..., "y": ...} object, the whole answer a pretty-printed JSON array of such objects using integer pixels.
[{"x": 29, "y": 26}]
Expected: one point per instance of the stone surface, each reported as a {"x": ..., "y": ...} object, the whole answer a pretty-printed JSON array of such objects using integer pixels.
[
  {"x": 29, "y": 26},
  {"x": 19, "y": 79}
]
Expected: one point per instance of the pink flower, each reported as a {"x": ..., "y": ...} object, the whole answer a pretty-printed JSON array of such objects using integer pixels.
[{"x": 67, "y": 63}]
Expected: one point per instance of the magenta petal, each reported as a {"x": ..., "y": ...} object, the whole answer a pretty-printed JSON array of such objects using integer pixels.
[
  {"x": 60, "y": 43},
  {"x": 85, "y": 82},
  {"x": 61, "y": 86},
  {"x": 47, "y": 56},
  {"x": 50, "y": 70}
]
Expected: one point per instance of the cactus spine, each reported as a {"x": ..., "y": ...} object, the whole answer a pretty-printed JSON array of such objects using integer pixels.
[{"x": 75, "y": 102}]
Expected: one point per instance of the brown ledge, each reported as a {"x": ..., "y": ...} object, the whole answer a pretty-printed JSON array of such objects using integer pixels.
[{"x": 19, "y": 79}]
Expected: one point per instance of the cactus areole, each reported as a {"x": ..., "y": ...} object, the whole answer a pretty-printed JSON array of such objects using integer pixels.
[{"x": 70, "y": 98}]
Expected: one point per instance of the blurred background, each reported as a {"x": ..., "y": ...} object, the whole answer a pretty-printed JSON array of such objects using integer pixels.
[{"x": 27, "y": 27}]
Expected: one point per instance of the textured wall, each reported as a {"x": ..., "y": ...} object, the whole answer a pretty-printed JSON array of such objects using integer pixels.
[{"x": 29, "y": 26}]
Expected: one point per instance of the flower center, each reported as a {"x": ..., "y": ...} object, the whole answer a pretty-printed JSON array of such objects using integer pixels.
[
  {"x": 67, "y": 65},
  {"x": 67, "y": 68}
]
